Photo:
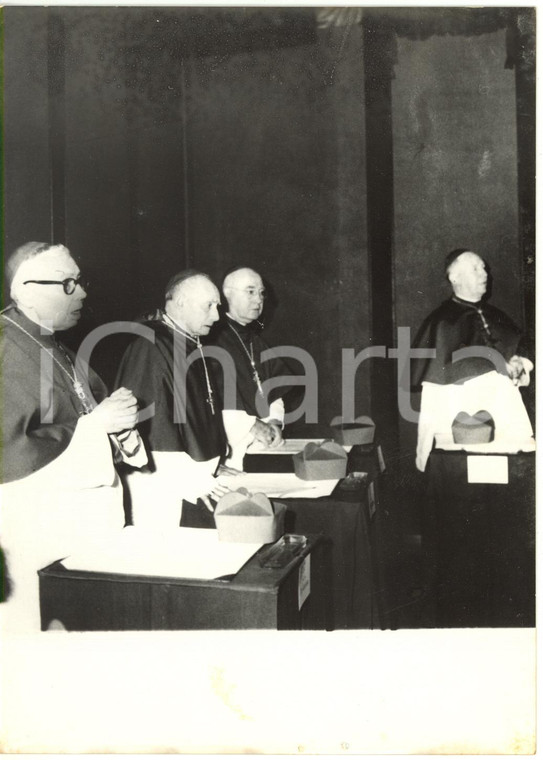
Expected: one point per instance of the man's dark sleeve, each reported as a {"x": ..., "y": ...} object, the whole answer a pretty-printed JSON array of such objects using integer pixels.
[
  {"x": 28, "y": 444},
  {"x": 144, "y": 369}
]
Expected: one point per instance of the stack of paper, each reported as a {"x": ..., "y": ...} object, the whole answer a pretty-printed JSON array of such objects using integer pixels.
[
  {"x": 280, "y": 485},
  {"x": 493, "y": 447},
  {"x": 289, "y": 446},
  {"x": 178, "y": 553}
]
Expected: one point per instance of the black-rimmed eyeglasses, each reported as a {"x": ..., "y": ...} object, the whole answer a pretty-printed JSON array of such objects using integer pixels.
[
  {"x": 69, "y": 284},
  {"x": 251, "y": 292}
]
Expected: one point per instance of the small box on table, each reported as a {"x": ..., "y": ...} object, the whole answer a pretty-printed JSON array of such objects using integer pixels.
[
  {"x": 325, "y": 461},
  {"x": 249, "y": 518}
]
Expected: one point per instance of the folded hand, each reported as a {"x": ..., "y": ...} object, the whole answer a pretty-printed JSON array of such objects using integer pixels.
[{"x": 117, "y": 412}]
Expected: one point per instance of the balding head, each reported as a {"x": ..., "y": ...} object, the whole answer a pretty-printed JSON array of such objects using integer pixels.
[
  {"x": 244, "y": 290},
  {"x": 40, "y": 276},
  {"x": 178, "y": 280},
  {"x": 468, "y": 276},
  {"x": 18, "y": 261},
  {"x": 192, "y": 301}
]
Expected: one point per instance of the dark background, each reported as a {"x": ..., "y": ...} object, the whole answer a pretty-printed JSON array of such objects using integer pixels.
[{"x": 341, "y": 152}]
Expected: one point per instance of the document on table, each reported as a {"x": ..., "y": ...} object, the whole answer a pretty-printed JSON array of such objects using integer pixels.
[
  {"x": 289, "y": 446},
  {"x": 178, "y": 553},
  {"x": 280, "y": 485},
  {"x": 488, "y": 469},
  {"x": 493, "y": 447}
]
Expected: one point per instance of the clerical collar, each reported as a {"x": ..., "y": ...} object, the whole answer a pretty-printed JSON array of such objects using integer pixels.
[
  {"x": 179, "y": 328},
  {"x": 14, "y": 314},
  {"x": 463, "y": 302},
  {"x": 253, "y": 327},
  {"x": 49, "y": 343}
]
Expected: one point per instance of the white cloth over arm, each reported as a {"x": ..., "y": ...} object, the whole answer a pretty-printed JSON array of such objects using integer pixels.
[
  {"x": 492, "y": 392},
  {"x": 67, "y": 506},
  {"x": 237, "y": 425},
  {"x": 277, "y": 412},
  {"x": 156, "y": 497}
]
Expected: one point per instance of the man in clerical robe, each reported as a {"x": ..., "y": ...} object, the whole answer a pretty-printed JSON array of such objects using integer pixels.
[
  {"x": 485, "y": 376},
  {"x": 258, "y": 413},
  {"x": 180, "y": 417},
  {"x": 60, "y": 489}
]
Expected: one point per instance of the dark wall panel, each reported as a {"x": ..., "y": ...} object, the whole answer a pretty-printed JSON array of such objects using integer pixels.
[
  {"x": 277, "y": 180},
  {"x": 455, "y": 167},
  {"x": 27, "y": 208},
  {"x": 124, "y": 169},
  {"x": 455, "y": 172}
]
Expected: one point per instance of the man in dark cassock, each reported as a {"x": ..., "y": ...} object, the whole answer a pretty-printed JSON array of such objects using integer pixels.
[
  {"x": 60, "y": 489},
  {"x": 258, "y": 415},
  {"x": 489, "y": 379},
  {"x": 181, "y": 419}
]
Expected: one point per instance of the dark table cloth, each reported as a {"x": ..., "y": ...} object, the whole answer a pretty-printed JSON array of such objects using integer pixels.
[
  {"x": 345, "y": 520},
  {"x": 480, "y": 543}
]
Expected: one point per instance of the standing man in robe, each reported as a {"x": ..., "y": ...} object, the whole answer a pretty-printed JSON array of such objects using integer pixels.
[
  {"x": 257, "y": 417},
  {"x": 181, "y": 421},
  {"x": 489, "y": 379},
  {"x": 477, "y": 537},
  {"x": 61, "y": 492}
]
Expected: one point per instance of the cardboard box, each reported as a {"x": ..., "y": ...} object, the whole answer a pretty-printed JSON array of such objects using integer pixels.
[
  {"x": 355, "y": 432},
  {"x": 477, "y": 428},
  {"x": 247, "y": 518},
  {"x": 325, "y": 461}
]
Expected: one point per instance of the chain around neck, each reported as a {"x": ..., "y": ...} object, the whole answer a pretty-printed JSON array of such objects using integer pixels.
[
  {"x": 77, "y": 385},
  {"x": 195, "y": 339},
  {"x": 250, "y": 356},
  {"x": 177, "y": 327}
]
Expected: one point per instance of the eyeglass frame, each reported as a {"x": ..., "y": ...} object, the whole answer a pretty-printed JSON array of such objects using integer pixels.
[
  {"x": 251, "y": 292},
  {"x": 75, "y": 280}
]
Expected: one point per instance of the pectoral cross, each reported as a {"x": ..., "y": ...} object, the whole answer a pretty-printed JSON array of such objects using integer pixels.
[
  {"x": 82, "y": 396},
  {"x": 209, "y": 400},
  {"x": 256, "y": 378},
  {"x": 80, "y": 391}
]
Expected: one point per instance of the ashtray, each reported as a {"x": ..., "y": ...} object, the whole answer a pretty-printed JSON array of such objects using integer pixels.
[{"x": 354, "y": 480}]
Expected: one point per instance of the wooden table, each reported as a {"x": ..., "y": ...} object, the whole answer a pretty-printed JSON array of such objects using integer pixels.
[{"x": 255, "y": 598}]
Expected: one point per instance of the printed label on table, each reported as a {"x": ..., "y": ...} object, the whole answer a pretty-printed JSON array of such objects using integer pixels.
[
  {"x": 372, "y": 507},
  {"x": 304, "y": 581},
  {"x": 381, "y": 458},
  {"x": 488, "y": 469}
]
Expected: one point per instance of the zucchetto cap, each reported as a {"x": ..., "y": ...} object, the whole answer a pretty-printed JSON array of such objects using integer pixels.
[
  {"x": 180, "y": 277},
  {"x": 453, "y": 255}
]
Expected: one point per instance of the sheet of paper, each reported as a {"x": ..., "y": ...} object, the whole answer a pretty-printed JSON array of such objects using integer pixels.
[
  {"x": 281, "y": 485},
  {"x": 289, "y": 446},
  {"x": 179, "y": 553},
  {"x": 494, "y": 447},
  {"x": 488, "y": 469}
]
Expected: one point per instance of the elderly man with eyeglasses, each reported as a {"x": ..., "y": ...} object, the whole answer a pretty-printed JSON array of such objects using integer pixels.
[
  {"x": 259, "y": 413},
  {"x": 60, "y": 429},
  {"x": 486, "y": 376}
]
